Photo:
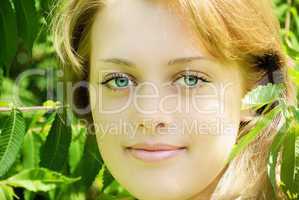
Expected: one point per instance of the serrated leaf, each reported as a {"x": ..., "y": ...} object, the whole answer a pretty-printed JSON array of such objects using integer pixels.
[
  {"x": 261, "y": 96},
  {"x": 54, "y": 153},
  {"x": 8, "y": 34},
  {"x": 11, "y": 140},
  {"x": 39, "y": 179},
  {"x": 262, "y": 123}
]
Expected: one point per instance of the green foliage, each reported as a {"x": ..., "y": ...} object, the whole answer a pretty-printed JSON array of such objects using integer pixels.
[
  {"x": 27, "y": 21},
  {"x": 286, "y": 140},
  {"x": 107, "y": 178},
  {"x": 262, "y": 124},
  {"x": 55, "y": 149},
  {"x": 8, "y": 34},
  {"x": 90, "y": 165},
  {"x": 261, "y": 96},
  {"x": 51, "y": 154},
  {"x": 6, "y": 192},
  {"x": 11, "y": 139},
  {"x": 38, "y": 179},
  {"x": 289, "y": 164}
]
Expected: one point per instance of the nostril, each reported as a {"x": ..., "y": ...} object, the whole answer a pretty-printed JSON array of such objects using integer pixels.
[{"x": 161, "y": 125}]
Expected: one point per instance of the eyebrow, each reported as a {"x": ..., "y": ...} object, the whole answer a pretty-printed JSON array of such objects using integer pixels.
[{"x": 122, "y": 61}]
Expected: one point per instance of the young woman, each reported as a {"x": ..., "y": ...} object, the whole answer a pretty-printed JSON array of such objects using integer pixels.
[{"x": 166, "y": 80}]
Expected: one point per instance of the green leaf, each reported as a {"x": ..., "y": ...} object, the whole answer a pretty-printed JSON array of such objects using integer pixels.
[
  {"x": 90, "y": 164},
  {"x": 30, "y": 150},
  {"x": 46, "y": 5},
  {"x": 28, "y": 195},
  {"x": 104, "y": 196},
  {"x": 261, "y": 96},
  {"x": 77, "y": 145},
  {"x": 288, "y": 161},
  {"x": 6, "y": 192},
  {"x": 88, "y": 168},
  {"x": 107, "y": 178},
  {"x": 54, "y": 153},
  {"x": 295, "y": 112},
  {"x": 294, "y": 74},
  {"x": 27, "y": 20},
  {"x": 69, "y": 193},
  {"x": 8, "y": 34},
  {"x": 262, "y": 123},
  {"x": 39, "y": 179},
  {"x": 48, "y": 124},
  {"x": 273, "y": 154},
  {"x": 11, "y": 139}
]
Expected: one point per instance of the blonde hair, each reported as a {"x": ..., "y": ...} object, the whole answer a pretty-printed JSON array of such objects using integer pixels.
[{"x": 245, "y": 31}]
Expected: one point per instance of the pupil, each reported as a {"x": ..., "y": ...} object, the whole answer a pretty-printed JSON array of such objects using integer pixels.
[
  {"x": 121, "y": 82},
  {"x": 190, "y": 80}
]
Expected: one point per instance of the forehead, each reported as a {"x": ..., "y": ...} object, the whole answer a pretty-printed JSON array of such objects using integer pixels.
[{"x": 140, "y": 27}]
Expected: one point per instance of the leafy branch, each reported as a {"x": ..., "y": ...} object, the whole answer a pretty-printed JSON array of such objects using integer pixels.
[{"x": 285, "y": 142}]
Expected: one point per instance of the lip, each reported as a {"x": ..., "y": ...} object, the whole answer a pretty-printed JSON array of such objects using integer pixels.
[
  {"x": 155, "y": 152},
  {"x": 155, "y": 147}
]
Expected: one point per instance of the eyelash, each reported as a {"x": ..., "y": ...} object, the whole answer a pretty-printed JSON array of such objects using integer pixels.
[
  {"x": 115, "y": 75},
  {"x": 194, "y": 74}
]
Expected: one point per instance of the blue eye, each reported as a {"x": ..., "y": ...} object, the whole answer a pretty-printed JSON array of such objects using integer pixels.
[
  {"x": 191, "y": 80},
  {"x": 118, "y": 81}
]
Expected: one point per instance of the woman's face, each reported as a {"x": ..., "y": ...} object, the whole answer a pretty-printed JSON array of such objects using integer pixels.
[{"x": 153, "y": 86}]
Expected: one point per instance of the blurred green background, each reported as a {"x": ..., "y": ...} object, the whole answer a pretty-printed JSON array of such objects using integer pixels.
[{"x": 26, "y": 43}]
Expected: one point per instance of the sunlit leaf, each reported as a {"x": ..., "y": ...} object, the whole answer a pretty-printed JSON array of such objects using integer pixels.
[
  {"x": 11, "y": 139},
  {"x": 294, "y": 74},
  {"x": 77, "y": 146},
  {"x": 289, "y": 161},
  {"x": 39, "y": 179},
  {"x": 261, "y": 96},
  {"x": 274, "y": 150},
  {"x": 31, "y": 150},
  {"x": 6, "y": 192}
]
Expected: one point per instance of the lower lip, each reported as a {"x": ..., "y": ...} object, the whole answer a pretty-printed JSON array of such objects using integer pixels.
[{"x": 153, "y": 156}]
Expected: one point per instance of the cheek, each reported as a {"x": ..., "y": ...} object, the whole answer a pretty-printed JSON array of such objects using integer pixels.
[
  {"x": 213, "y": 129},
  {"x": 108, "y": 102}
]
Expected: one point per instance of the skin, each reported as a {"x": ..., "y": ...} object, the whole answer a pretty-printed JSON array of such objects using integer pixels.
[{"x": 148, "y": 36}]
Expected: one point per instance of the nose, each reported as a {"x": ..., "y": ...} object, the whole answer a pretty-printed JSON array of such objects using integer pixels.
[
  {"x": 150, "y": 113},
  {"x": 154, "y": 123}
]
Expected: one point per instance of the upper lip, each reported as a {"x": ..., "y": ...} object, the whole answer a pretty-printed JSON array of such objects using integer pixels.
[{"x": 155, "y": 147}]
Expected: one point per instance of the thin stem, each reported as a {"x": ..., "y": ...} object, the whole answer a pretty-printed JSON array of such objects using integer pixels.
[{"x": 30, "y": 109}]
